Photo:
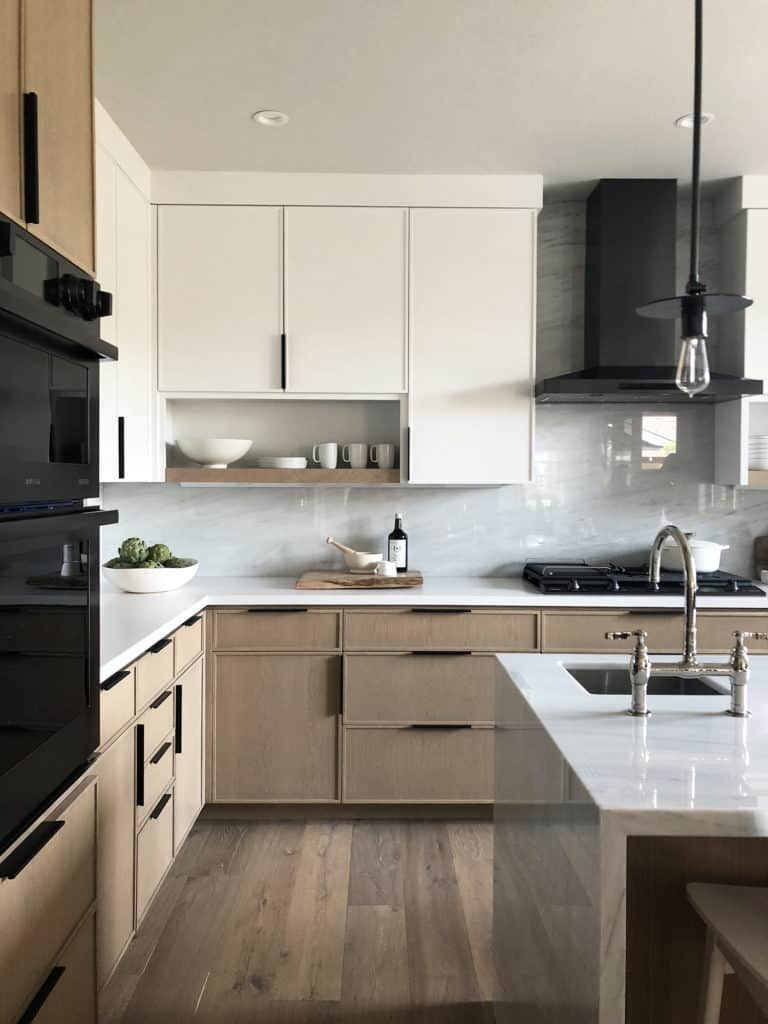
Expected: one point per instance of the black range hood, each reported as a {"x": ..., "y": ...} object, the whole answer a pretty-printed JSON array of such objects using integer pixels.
[{"x": 631, "y": 240}]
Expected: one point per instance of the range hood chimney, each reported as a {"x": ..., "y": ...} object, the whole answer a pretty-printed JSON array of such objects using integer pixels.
[{"x": 631, "y": 242}]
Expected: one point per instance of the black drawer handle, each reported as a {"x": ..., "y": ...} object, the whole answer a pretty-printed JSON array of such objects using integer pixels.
[
  {"x": 448, "y": 610},
  {"x": 442, "y": 654},
  {"x": 160, "y": 806},
  {"x": 160, "y": 753},
  {"x": 26, "y": 852},
  {"x": 439, "y": 725},
  {"x": 139, "y": 765},
  {"x": 179, "y": 717},
  {"x": 112, "y": 682},
  {"x": 274, "y": 611},
  {"x": 160, "y": 645},
  {"x": 31, "y": 160},
  {"x": 160, "y": 700},
  {"x": 121, "y": 447},
  {"x": 283, "y": 362},
  {"x": 43, "y": 992},
  {"x": 193, "y": 621}
]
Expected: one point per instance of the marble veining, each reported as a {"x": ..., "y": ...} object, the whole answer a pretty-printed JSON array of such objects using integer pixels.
[{"x": 590, "y": 496}]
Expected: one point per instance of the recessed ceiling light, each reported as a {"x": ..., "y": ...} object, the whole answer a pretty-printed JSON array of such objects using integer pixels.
[
  {"x": 686, "y": 121},
  {"x": 270, "y": 118}
]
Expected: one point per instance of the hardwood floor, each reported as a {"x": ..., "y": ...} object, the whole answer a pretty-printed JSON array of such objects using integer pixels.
[{"x": 327, "y": 921}]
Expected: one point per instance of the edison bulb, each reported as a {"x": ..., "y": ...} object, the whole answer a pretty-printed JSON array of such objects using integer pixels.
[{"x": 692, "y": 375}]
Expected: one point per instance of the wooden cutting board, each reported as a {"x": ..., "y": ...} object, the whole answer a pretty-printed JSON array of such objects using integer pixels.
[{"x": 319, "y": 580}]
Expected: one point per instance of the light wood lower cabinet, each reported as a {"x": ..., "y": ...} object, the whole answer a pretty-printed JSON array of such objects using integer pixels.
[
  {"x": 116, "y": 772},
  {"x": 435, "y": 629},
  {"x": 47, "y": 885},
  {"x": 418, "y": 765},
  {"x": 154, "y": 671},
  {"x": 276, "y": 629},
  {"x": 188, "y": 751},
  {"x": 275, "y": 722},
  {"x": 68, "y": 995},
  {"x": 154, "y": 852}
]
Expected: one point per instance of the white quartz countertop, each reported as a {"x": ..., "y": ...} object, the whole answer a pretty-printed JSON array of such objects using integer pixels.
[
  {"x": 130, "y": 623},
  {"x": 688, "y": 756}
]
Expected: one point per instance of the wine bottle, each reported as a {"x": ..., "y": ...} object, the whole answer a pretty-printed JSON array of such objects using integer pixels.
[{"x": 397, "y": 545}]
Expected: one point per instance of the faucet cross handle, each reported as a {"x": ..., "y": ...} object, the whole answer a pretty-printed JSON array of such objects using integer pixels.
[
  {"x": 740, "y": 636},
  {"x": 641, "y": 635}
]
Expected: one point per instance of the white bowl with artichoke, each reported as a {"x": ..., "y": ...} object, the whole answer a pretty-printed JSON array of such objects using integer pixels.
[{"x": 141, "y": 568}]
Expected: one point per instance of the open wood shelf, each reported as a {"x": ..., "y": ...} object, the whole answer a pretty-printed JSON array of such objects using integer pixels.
[
  {"x": 758, "y": 478},
  {"x": 199, "y": 475}
]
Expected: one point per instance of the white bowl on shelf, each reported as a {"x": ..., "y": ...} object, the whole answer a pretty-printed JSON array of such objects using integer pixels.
[
  {"x": 150, "y": 581},
  {"x": 214, "y": 452}
]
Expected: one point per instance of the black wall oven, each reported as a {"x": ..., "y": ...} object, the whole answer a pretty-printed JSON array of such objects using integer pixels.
[{"x": 49, "y": 374}]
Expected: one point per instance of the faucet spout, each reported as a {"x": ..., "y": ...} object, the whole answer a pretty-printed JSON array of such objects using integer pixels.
[{"x": 691, "y": 586}]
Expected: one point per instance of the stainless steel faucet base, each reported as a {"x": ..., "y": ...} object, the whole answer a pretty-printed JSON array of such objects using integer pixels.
[
  {"x": 737, "y": 714},
  {"x": 638, "y": 714}
]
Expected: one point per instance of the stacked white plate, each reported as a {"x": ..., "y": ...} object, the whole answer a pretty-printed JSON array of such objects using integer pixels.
[
  {"x": 281, "y": 462},
  {"x": 758, "y": 451}
]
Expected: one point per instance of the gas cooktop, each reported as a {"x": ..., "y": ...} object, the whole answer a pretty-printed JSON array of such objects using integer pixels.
[{"x": 583, "y": 578}]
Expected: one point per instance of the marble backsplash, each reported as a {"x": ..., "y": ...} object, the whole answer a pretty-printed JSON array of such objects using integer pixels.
[{"x": 598, "y": 491}]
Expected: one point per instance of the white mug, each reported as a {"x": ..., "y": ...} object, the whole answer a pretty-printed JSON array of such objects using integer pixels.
[
  {"x": 385, "y": 569},
  {"x": 383, "y": 455},
  {"x": 355, "y": 454},
  {"x": 327, "y": 454}
]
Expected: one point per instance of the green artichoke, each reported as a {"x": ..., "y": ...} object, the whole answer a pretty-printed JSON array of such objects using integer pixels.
[
  {"x": 159, "y": 553},
  {"x": 118, "y": 563},
  {"x": 179, "y": 563},
  {"x": 133, "y": 550},
  {"x": 147, "y": 564}
]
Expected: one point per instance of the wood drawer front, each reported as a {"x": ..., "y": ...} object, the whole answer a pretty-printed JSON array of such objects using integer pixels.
[
  {"x": 73, "y": 998},
  {"x": 156, "y": 722},
  {"x": 406, "y": 688},
  {"x": 715, "y": 631},
  {"x": 154, "y": 671},
  {"x": 245, "y": 629},
  {"x": 584, "y": 632},
  {"x": 418, "y": 765},
  {"x": 416, "y": 629},
  {"x": 158, "y": 775},
  {"x": 188, "y": 643},
  {"x": 117, "y": 703},
  {"x": 51, "y": 892},
  {"x": 154, "y": 852}
]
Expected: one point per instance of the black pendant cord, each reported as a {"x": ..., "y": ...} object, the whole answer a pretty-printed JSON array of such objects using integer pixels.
[{"x": 694, "y": 284}]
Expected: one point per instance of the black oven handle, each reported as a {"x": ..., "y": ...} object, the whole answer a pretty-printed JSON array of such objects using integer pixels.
[
  {"x": 41, "y": 996},
  {"x": 26, "y": 852},
  {"x": 31, "y": 160}
]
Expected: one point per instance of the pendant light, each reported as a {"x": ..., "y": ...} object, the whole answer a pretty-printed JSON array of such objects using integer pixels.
[{"x": 693, "y": 309}]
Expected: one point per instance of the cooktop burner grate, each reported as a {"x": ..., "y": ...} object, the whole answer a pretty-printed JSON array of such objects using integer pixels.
[{"x": 581, "y": 577}]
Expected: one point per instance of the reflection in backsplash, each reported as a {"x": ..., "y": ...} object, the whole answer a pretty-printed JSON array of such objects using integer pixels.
[{"x": 606, "y": 477}]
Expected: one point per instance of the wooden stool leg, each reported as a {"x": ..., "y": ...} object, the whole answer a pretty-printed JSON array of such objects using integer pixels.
[{"x": 716, "y": 967}]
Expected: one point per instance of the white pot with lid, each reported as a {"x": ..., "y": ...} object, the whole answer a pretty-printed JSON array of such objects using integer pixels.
[{"x": 706, "y": 554}]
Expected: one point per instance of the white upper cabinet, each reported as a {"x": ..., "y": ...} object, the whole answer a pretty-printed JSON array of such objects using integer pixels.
[
  {"x": 127, "y": 441},
  {"x": 472, "y": 323},
  {"x": 220, "y": 299},
  {"x": 345, "y": 299}
]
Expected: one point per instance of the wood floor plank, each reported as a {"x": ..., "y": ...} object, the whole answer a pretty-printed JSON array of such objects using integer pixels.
[
  {"x": 312, "y": 953},
  {"x": 472, "y": 850},
  {"x": 439, "y": 954},
  {"x": 375, "y": 979},
  {"x": 376, "y": 871}
]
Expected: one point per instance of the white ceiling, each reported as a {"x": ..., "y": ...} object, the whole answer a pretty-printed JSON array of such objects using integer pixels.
[{"x": 572, "y": 89}]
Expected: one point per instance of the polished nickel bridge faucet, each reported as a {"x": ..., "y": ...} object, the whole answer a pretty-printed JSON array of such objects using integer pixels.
[{"x": 640, "y": 667}]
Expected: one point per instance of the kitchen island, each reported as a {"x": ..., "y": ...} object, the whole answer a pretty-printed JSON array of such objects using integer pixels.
[{"x": 590, "y": 871}]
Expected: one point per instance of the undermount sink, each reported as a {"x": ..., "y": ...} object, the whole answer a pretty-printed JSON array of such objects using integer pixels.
[{"x": 615, "y": 681}]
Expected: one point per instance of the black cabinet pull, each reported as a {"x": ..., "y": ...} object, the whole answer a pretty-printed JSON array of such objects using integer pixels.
[
  {"x": 160, "y": 753},
  {"x": 444, "y": 610},
  {"x": 283, "y": 362},
  {"x": 139, "y": 765},
  {"x": 26, "y": 852},
  {"x": 179, "y": 717},
  {"x": 118, "y": 677},
  {"x": 121, "y": 447},
  {"x": 442, "y": 654},
  {"x": 31, "y": 160},
  {"x": 43, "y": 992},
  {"x": 160, "y": 645},
  {"x": 273, "y": 611},
  {"x": 193, "y": 621},
  {"x": 160, "y": 806},
  {"x": 408, "y": 446},
  {"x": 439, "y": 725},
  {"x": 160, "y": 700}
]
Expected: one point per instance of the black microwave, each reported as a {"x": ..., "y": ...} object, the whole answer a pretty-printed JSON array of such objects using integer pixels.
[{"x": 50, "y": 350}]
